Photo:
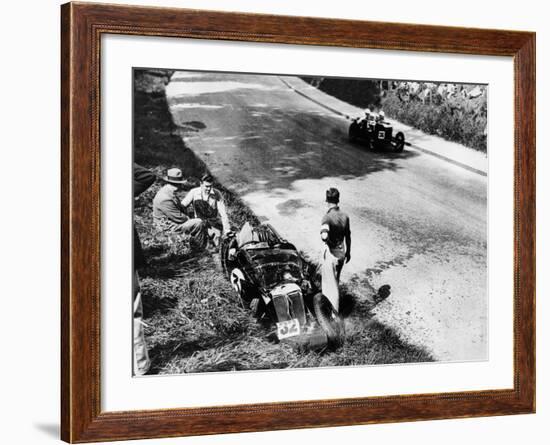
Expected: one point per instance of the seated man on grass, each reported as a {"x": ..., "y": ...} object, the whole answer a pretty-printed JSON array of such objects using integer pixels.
[
  {"x": 209, "y": 207},
  {"x": 169, "y": 213}
]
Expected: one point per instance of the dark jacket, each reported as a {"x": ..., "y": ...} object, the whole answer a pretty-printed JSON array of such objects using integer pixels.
[{"x": 143, "y": 179}]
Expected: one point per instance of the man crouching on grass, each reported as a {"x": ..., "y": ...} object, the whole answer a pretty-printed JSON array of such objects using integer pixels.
[
  {"x": 336, "y": 234},
  {"x": 209, "y": 206},
  {"x": 169, "y": 213}
]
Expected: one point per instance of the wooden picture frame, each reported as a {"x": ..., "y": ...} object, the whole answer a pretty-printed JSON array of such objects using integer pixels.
[{"x": 82, "y": 26}]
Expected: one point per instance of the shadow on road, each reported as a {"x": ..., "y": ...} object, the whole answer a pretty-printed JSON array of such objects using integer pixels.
[
  {"x": 271, "y": 144},
  {"x": 306, "y": 147}
]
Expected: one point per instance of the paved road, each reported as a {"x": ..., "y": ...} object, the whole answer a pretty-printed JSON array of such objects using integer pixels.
[{"x": 418, "y": 223}]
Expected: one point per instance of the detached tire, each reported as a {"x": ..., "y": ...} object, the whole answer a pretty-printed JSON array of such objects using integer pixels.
[
  {"x": 331, "y": 322},
  {"x": 399, "y": 142}
]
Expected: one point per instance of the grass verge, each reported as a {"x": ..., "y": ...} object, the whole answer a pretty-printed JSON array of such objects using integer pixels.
[{"x": 194, "y": 322}]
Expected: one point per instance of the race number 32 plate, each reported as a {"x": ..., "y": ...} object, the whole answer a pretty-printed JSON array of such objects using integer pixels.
[{"x": 288, "y": 328}]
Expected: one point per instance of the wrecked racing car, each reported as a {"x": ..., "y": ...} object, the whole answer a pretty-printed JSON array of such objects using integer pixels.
[
  {"x": 269, "y": 275},
  {"x": 376, "y": 133}
]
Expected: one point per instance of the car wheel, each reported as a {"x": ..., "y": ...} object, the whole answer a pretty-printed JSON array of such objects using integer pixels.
[
  {"x": 352, "y": 133},
  {"x": 236, "y": 278},
  {"x": 257, "y": 307},
  {"x": 226, "y": 263},
  {"x": 370, "y": 144},
  {"x": 399, "y": 142},
  {"x": 331, "y": 322},
  {"x": 224, "y": 250}
]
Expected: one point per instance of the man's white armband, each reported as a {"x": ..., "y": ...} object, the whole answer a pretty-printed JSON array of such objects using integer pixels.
[{"x": 324, "y": 232}]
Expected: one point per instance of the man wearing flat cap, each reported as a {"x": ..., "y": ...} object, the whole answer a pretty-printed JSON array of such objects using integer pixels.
[
  {"x": 169, "y": 214},
  {"x": 336, "y": 234}
]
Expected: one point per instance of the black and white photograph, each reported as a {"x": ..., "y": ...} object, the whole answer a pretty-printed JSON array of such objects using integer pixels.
[{"x": 307, "y": 222}]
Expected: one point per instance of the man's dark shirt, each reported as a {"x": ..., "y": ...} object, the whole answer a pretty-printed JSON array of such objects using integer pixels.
[
  {"x": 336, "y": 224},
  {"x": 143, "y": 179}
]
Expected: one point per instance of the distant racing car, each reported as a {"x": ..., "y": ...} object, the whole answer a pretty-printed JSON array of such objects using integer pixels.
[
  {"x": 376, "y": 133},
  {"x": 269, "y": 275}
]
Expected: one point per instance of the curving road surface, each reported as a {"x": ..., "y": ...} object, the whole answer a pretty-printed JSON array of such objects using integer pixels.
[{"x": 418, "y": 222}]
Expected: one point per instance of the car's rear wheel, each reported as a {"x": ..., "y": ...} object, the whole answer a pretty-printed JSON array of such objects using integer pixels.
[
  {"x": 228, "y": 244},
  {"x": 353, "y": 132},
  {"x": 224, "y": 253},
  {"x": 399, "y": 142},
  {"x": 371, "y": 143},
  {"x": 236, "y": 278},
  {"x": 331, "y": 322}
]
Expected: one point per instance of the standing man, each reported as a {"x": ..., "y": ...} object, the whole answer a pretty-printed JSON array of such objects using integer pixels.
[
  {"x": 143, "y": 179},
  {"x": 336, "y": 234},
  {"x": 208, "y": 206},
  {"x": 169, "y": 213}
]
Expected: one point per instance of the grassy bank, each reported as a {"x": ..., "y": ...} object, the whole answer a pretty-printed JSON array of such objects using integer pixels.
[{"x": 194, "y": 320}]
